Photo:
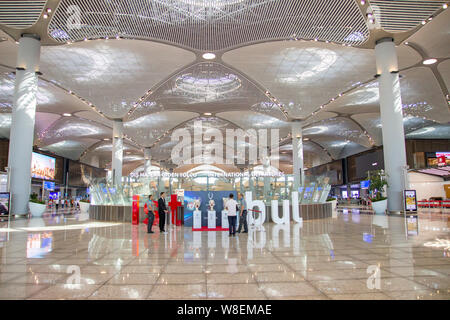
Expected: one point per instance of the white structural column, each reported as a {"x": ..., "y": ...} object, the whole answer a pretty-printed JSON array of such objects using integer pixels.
[
  {"x": 297, "y": 154},
  {"x": 147, "y": 161},
  {"x": 392, "y": 122},
  {"x": 22, "y": 123},
  {"x": 117, "y": 154}
]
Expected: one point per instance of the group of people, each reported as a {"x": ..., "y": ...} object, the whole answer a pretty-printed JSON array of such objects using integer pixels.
[
  {"x": 232, "y": 206},
  {"x": 64, "y": 202},
  {"x": 162, "y": 211}
]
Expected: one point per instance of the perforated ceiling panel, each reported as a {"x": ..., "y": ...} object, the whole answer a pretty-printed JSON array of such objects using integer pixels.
[
  {"x": 403, "y": 15},
  {"x": 20, "y": 14},
  {"x": 210, "y": 24}
]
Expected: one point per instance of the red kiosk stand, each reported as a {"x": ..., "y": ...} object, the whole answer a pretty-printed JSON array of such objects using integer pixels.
[
  {"x": 174, "y": 204},
  {"x": 135, "y": 210}
]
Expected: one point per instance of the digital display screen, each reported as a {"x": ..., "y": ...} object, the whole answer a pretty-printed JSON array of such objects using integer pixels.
[
  {"x": 410, "y": 200},
  {"x": 4, "y": 203},
  {"x": 49, "y": 185},
  {"x": 365, "y": 184},
  {"x": 42, "y": 167}
]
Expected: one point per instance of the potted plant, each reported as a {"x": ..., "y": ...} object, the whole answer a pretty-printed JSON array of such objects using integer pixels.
[
  {"x": 376, "y": 187},
  {"x": 84, "y": 205},
  {"x": 333, "y": 203},
  {"x": 37, "y": 207}
]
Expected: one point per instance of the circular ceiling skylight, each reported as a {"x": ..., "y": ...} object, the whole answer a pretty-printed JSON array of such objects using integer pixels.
[{"x": 208, "y": 56}]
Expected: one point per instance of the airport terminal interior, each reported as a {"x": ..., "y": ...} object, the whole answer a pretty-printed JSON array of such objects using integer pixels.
[{"x": 293, "y": 149}]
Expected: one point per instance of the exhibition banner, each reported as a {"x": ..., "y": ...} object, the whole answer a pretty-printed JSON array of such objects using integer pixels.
[{"x": 201, "y": 199}]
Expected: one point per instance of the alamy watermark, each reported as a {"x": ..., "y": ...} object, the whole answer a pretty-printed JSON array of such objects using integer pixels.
[
  {"x": 374, "y": 280},
  {"x": 207, "y": 146}
]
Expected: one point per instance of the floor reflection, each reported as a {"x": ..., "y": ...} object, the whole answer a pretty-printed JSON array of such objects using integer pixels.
[{"x": 69, "y": 256}]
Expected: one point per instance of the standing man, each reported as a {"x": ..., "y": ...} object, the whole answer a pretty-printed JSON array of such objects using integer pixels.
[
  {"x": 162, "y": 210},
  {"x": 231, "y": 207},
  {"x": 243, "y": 214},
  {"x": 151, "y": 216}
]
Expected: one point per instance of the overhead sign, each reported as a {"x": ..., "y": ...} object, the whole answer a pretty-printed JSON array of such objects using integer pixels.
[{"x": 410, "y": 200}]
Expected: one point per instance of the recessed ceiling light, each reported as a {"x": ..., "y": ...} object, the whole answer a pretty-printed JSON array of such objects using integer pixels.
[
  {"x": 445, "y": 6},
  {"x": 305, "y": 139},
  {"x": 207, "y": 114},
  {"x": 45, "y": 16},
  {"x": 106, "y": 139},
  {"x": 429, "y": 61},
  {"x": 67, "y": 114},
  {"x": 209, "y": 56}
]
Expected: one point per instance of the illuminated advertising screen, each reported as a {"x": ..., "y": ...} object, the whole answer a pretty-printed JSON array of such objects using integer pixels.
[
  {"x": 42, "y": 167},
  {"x": 365, "y": 184},
  {"x": 4, "y": 203},
  {"x": 410, "y": 200},
  {"x": 49, "y": 185}
]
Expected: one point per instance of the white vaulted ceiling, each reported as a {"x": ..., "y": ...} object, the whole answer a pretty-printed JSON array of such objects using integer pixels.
[
  {"x": 276, "y": 61},
  {"x": 213, "y": 25},
  {"x": 114, "y": 74}
]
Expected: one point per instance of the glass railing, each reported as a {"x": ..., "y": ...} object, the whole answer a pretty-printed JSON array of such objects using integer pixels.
[{"x": 314, "y": 190}]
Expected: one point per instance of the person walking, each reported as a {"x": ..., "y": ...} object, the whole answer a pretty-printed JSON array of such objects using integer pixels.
[
  {"x": 162, "y": 210},
  {"x": 151, "y": 216},
  {"x": 242, "y": 214},
  {"x": 57, "y": 203},
  {"x": 231, "y": 207}
]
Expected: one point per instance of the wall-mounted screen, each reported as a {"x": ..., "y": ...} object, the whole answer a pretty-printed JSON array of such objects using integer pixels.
[
  {"x": 365, "y": 184},
  {"x": 49, "y": 185},
  {"x": 42, "y": 167},
  {"x": 4, "y": 203}
]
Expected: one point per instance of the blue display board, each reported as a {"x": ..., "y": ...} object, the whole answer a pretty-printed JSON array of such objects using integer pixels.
[
  {"x": 365, "y": 184},
  {"x": 49, "y": 185},
  {"x": 191, "y": 198}
]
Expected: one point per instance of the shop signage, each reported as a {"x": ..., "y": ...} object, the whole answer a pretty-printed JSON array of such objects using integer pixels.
[
  {"x": 441, "y": 161},
  {"x": 410, "y": 200}
]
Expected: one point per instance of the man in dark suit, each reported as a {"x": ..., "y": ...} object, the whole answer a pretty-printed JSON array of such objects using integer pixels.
[{"x": 162, "y": 210}]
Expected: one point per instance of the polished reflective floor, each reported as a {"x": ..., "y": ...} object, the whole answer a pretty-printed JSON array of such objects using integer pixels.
[{"x": 354, "y": 255}]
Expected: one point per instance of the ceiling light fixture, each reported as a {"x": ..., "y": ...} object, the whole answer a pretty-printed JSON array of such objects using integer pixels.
[
  {"x": 208, "y": 56},
  {"x": 207, "y": 114},
  {"x": 429, "y": 61},
  {"x": 444, "y": 6},
  {"x": 67, "y": 114}
]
